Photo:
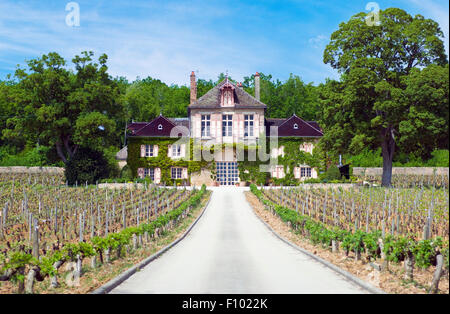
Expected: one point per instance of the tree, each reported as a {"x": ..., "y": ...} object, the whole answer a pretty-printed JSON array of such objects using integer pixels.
[
  {"x": 373, "y": 62},
  {"x": 65, "y": 109},
  {"x": 425, "y": 126},
  {"x": 283, "y": 99},
  {"x": 86, "y": 165}
]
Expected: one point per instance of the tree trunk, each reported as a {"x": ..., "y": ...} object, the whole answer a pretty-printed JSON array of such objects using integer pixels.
[
  {"x": 387, "y": 149},
  {"x": 60, "y": 153}
]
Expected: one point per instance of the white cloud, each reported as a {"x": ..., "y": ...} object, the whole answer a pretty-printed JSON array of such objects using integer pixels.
[
  {"x": 159, "y": 46},
  {"x": 318, "y": 41}
]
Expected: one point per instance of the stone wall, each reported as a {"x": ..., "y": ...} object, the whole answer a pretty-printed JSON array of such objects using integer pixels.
[
  {"x": 49, "y": 170},
  {"x": 360, "y": 171}
]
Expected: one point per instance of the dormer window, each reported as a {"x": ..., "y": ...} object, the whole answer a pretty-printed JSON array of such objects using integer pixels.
[
  {"x": 295, "y": 126},
  {"x": 227, "y": 93},
  {"x": 228, "y": 98},
  {"x": 160, "y": 127}
]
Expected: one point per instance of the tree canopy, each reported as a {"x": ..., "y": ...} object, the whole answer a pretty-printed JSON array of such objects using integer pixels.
[
  {"x": 379, "y": 100},
  {"x": 66, "y": 109}
]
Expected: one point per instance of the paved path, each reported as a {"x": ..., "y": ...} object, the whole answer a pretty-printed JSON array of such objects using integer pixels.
[{"x": 231, "y": 251}]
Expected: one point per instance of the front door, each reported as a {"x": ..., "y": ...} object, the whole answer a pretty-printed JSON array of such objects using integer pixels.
[{"x": 227, "y": 172}]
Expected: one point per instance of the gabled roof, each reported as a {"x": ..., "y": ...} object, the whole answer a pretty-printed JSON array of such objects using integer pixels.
[
  {"x": 242, "y": 99},
  {"x": 159, "y": 127},
  {"x": 286, "y": 127}
]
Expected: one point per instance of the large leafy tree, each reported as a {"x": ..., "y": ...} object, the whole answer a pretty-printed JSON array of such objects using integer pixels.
[
  {"x": 63, "y": 108},
  {"x": 368, "y": 106}
]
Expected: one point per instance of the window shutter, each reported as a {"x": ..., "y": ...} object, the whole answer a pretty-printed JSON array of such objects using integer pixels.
[
  {"x": 155, "y": 150},
  {"x": 184, "y": 173},
  {"x": 280, "y": 172},
  {"x": 142, "y": 150},
  {"x": 169, "y": 151},
  {"x": 140, "y": 173},
  {"x": 157, "y": 175},
  {"x": 183, "y": 150},
  {"x": 297, "y": 172},
  {"x": 274, "y": 172}
]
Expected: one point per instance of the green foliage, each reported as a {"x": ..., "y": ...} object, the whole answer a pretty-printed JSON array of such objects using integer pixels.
[
  {"x": 126, "y": 173},
  {"x": 61, "y": 108},
  {"x": 367, "y": 158},
  {"x": 381, "y": 98},
  {"x": 373, "y": 158},
  {"x": 440, "y": 158},
  {"x": 333, "y": 173},
  {"x": 162, "y": 161},
  {"x": 86, "y": 165},
  {"x": 283, "y": 99},
  {"x": 35, "y": 157}
]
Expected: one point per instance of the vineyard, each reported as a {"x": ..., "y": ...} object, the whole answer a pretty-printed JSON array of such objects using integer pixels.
[
  {"x": 409, "y": 225},
  {"x": 45, "y": 224},
  {"x": 411, "y": 181}
]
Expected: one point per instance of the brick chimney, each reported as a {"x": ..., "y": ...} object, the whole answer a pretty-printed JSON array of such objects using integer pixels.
[
  {"x": 257, "y": 89},
  {"x": 193, "y": 88}
]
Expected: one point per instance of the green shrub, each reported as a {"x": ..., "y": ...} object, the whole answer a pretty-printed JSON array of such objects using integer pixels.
[
  {"x": 126, "y": 173},
  {"x": 440, "y": 158},
  {"x": 86, "y": 165},
  {"x": 333, "y": 173},
  {"x": 367, "y": 158},
  {"x": 35, "y": 157}
]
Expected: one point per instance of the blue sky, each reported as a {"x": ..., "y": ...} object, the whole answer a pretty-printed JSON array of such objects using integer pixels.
[{"x": 167, "y": 39}]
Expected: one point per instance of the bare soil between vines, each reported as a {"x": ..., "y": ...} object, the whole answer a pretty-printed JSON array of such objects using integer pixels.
[
  {"x": 390, "y": 281},
  {"x": 95, "y": 278}
]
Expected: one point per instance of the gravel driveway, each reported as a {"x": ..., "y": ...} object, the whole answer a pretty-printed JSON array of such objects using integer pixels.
[{"x": 231, "y": 251}]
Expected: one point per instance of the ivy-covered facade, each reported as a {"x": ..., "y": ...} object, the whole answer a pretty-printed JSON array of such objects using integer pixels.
[{"x": 224, "y": 141}]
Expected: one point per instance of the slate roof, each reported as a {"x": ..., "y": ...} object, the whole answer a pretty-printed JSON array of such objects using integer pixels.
[
  {"x": 152, "y": 128},
  {"x": 242, "y": 99},
  {"x": 286, "y": 127}
]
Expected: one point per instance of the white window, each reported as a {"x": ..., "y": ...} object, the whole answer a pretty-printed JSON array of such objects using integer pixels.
[
  {"x": 176, "y": 150},
  {"x": 149, "y": 172},
  {"x": 227, "y": 125},
  {"x": 228, "y": 101},
  {"x": 295, "y": 126},
  {"x": 177, "y": 173},
  {"x": 305, "y": 172},
  {"x": 278, "y": 172},
  {"x": 248, "y": 125},
  {"x": 160, "y": 127},
  {"x": 206, "y": 125},
  {"x": 149, "y": 151}
]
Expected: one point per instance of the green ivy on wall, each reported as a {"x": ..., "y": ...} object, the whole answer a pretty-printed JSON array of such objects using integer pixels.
[
  {"x": 249, "y": 171},
  {"x": 162, "y": 161}
]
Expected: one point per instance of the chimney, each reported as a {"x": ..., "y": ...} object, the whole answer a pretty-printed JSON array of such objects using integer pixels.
[
  {"x": 193, "y": 88},
  {"x": 257, "y": 86}
]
